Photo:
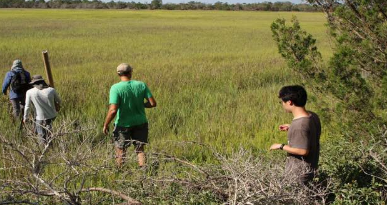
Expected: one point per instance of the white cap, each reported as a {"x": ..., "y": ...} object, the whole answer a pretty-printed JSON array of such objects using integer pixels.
[{"x": 124, "y": 68}]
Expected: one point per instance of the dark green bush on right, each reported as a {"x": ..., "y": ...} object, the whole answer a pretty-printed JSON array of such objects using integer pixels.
[{"x": 355, "y": 82}]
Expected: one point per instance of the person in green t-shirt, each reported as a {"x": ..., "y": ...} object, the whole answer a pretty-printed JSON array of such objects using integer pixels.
[{"x": 128, "y": 100}]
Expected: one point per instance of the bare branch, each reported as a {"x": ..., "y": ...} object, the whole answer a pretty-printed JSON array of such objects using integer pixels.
[{"x": 130, "y": 200}]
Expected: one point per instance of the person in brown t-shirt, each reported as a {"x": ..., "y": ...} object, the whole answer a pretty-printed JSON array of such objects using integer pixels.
[{"x": 304, "y": 132}]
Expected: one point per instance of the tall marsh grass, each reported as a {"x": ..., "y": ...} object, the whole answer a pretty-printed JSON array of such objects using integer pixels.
[{"x": 215, "y": 74}]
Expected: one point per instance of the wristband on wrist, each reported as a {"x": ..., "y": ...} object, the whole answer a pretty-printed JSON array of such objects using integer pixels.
[{"x": 282, "y": 146}]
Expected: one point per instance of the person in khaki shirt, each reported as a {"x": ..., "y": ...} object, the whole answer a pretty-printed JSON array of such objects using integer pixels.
[{"x": 303, "y": 147}]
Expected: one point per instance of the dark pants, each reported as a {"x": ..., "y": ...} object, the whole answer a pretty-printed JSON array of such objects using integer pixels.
[
  {"x": 17, "y": 107},
  {"x": 125, "y": 136},
  {"x": 44, "y": 130}
]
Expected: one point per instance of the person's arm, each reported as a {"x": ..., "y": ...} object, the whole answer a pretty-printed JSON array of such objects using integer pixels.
[
  {"x": 27, "y": 106},
  {"x": 57, "y": 101},
  {"x": 6, "y": 83},
  {"x": 150, "y": 102},
  {"x": 291, "y": 150},
  {"x": 114, "y": 102},
  {"x": 113, "y": 108},
  {"x": 299, "y": 142}
]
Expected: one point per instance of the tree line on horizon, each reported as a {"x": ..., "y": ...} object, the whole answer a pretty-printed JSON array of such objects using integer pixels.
[{"x": 156, "y": 4}]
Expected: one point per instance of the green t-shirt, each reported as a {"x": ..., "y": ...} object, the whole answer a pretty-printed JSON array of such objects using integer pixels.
[{"x": 129, "y": 96}]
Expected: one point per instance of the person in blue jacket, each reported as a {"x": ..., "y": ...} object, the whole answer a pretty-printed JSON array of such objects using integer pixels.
[{"x": 17, "y": 80}]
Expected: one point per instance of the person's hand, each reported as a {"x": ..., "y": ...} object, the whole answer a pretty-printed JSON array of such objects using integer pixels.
[
  {"x": 105, "y": 130},
  {"x": 275, "y": 146},
  {"x": 284, "y": 127}
]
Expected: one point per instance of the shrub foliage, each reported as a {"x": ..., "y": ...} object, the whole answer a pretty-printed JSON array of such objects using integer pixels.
[{"x": 354, "y": 79}]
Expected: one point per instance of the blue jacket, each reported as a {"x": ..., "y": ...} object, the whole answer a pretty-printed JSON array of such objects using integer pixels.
[{"x": 16, "y": 67}]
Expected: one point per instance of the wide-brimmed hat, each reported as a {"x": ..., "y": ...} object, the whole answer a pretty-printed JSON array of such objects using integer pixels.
[{"x": 36, "y": 78}]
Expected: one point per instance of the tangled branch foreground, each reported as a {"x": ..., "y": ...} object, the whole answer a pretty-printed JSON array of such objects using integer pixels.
[{"x": 77, "y": 167}]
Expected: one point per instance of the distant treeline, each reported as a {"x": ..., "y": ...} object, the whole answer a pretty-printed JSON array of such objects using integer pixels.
[{"x": 155, "y": 4}]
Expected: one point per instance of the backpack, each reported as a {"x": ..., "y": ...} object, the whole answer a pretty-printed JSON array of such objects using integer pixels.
[{"x": 19, "y": 82}]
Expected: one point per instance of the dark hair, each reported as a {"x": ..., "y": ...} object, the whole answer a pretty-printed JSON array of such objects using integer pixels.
[{"x": 295, "y": 93}]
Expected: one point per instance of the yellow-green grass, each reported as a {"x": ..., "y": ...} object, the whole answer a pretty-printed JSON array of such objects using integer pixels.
[{"x": 214, "y": 74}]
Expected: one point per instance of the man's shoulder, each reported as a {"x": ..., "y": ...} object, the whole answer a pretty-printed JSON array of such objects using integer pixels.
[
  {"x": 115, "y": 85},
  {"x": 307, "y": 122},
  {"x": 299, "y": 124},
  {"x": 133, "y": 84},
  {"x": 118, "y": 87},
  {"x": 140, "y": 85},
  {"x": 303, "y": 123},
  {"x": 10, "y": 73},
  {"x": 32, "y": 90},
  {"x": 51, "y": 89}
]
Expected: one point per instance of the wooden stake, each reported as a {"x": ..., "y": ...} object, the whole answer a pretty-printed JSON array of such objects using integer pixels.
[{"x": 47, "y": 67}]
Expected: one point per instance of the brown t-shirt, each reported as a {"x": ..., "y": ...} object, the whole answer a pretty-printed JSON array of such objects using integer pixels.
[{"x": 304, "y": 133}]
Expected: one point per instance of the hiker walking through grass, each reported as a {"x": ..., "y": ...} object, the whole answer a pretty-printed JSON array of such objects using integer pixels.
[
  {"x": 18, "y": 81},
  {"x": 304, "y": 132},
  {"x": 46, "y": 102},
  {"x": 127, "y": 105}
]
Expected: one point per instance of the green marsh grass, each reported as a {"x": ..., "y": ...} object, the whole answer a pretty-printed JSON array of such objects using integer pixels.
[{"x": 214, "y": 74}]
